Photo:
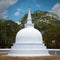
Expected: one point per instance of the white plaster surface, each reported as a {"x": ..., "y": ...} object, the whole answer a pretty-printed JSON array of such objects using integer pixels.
[{"x": 29, "y": 41}]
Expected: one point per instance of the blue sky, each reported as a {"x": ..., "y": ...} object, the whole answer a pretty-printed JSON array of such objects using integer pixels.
[{"x": 15, "y": 9}]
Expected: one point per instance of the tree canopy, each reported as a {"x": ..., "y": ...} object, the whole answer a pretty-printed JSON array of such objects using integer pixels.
[{"x": 8, "y": 30}]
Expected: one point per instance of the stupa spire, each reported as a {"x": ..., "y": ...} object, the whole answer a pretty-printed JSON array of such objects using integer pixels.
[
  {"x": 29, "y": 14},
  {"x": 29, "y": 19}
]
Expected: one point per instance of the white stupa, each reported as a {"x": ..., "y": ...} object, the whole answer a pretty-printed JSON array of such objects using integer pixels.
[{"x": 29, "y": 41}]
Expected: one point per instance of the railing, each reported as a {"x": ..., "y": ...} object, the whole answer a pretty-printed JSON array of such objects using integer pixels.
[
  {"x": 54, "y": 51},
  {"x": 4, "y": 50},
  {"x": 51, "y": 51}
]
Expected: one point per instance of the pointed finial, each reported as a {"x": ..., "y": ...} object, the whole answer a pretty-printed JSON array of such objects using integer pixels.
[
  {"x": 28, "y": 7},
  {"x": 29, "y": 19},
  {"x": 29, "y": 14}
]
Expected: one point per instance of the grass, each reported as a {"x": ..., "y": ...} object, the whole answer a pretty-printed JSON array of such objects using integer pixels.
[{"x": 53, "y": 57}]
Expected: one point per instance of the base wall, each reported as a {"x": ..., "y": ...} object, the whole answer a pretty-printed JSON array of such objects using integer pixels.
[{"x": 28, "y": 50}]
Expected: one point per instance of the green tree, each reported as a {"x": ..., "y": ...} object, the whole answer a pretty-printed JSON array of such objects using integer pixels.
[{"x": 8, "y": 30}]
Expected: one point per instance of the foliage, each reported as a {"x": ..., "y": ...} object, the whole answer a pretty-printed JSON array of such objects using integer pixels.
[{"x": 8, "y": 30}]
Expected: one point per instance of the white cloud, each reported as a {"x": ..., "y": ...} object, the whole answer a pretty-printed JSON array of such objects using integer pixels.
[
  {"x": 17, "y": 13},
  {"x": 37, "y": 5},
  {"x": 4, "y": 4},
  {"x": 18, "y": 9},
  {"x": 56, "y": 9},
  {"x": 4, "y": 14}
]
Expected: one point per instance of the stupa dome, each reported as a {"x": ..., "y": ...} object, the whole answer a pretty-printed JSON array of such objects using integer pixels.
[{"x": 29, "y": 35}]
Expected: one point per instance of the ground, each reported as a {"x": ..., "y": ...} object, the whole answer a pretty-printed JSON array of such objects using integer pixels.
[{"x": 52, "y": 57}]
